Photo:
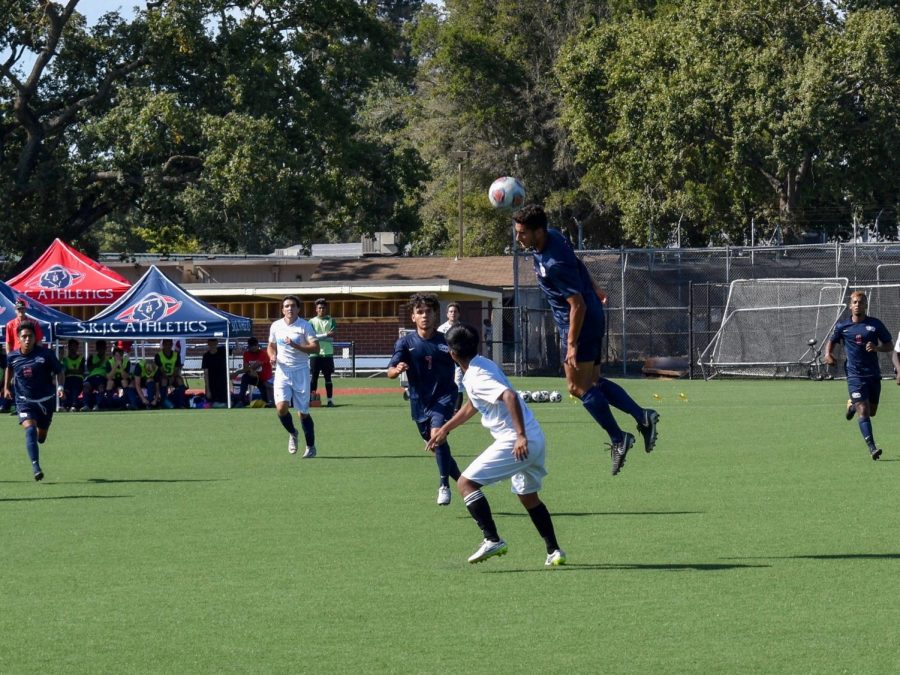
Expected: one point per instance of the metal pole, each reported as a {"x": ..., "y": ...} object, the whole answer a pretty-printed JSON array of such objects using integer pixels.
[
  {"x": 461, "y": 229},
  {"x": 690, "y": 330}
]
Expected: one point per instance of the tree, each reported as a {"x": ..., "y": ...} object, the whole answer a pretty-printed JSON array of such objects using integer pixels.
[
  {"x": 709, "y": 115},
  {"x": 231, "y": 126}
]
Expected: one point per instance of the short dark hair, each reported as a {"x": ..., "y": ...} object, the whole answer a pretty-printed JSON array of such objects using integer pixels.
[
  {"x": 463, "y": 339},
  {"x": 321, "y": 301},
  {"x": 453, "y": 304},
  {"x": 427, "y": 299},
  {"x": 291, "y": 297},
  {"x": 72, "y": 343},
  {"x": 252, "y": 341},
  {"x": 26, "y": 325},
  {"x": 532, "y": 216}
]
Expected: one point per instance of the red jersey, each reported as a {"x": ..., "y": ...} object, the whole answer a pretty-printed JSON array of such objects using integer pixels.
[
  {"x": 12, "y": 334},
  {"x": 261, "y": 358}
]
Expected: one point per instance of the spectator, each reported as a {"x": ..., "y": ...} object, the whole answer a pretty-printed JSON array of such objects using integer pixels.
[
  {"x": 73, "y": 366},
  {"x": 95, "y": 382},
  {"x": 168, "y": 376},
  {"x": 487, "y": 336},
  {"x": 256, "y": 371},
  {"x": 117, "y": 378},
  {"x": 12, "y": 327},
  {"x": 323, "y": 362},
  {"x": 215, "y": 374}
]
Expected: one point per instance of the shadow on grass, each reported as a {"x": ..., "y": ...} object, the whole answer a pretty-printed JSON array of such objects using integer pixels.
[
  {"x": 578, "y": 514},
  {"x": 41, "y": 499},
  {"x": 104, "y": 481},
  {"x": 640, "y": 567},
  {"x": 826, "y": 556},
  {"x": 425, "y": 455}
]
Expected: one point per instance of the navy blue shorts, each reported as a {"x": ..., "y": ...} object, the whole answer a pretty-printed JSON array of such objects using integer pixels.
[
  {"x": 590, "y": 347},
  {"x": 864, "y": 389},
  {"x": 41, "y": 413},
  {"x": 435, "y": 419}
]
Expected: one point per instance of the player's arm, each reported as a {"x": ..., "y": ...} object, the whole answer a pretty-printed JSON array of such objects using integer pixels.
[
  {"x": 463, "y": 415},
  {"x": 7, "y": 379},
  {"x": 577, "y": 312},
  {"x": 895, "y": 357},
  {"x": 511, "y": 401},
  {"x": 398, "y": 362},
  {"x": 311, "y": 346},
  {"x": 272, "y": 350},
  {"x": 827, "y": 357}
]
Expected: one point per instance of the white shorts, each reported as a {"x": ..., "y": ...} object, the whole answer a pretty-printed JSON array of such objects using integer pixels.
[
  {"x": 292, "y": 386},
  {"x": 498, "y": 463}
]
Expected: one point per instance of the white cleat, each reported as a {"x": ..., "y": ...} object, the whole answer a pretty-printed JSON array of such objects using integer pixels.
[
  {"x": 555, "y": 559},
  {"x": 292, "y": 443},
  {"x": 443, "y": 498},
  {"x": 488, "y": 549},
  {"x": 309, "y": 453}
]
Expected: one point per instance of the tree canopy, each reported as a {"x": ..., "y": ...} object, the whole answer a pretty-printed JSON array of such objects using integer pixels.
[{"x": 245, "y": 125}]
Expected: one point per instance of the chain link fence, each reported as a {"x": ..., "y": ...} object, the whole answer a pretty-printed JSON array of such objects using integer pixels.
[{"x": 664, "y": 306}]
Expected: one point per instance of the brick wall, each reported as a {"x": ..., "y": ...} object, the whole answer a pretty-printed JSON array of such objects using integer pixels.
[{"x": 371, "y": 337}]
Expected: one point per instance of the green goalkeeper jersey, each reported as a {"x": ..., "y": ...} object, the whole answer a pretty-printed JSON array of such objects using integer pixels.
[{"x": 322, "y": 327}]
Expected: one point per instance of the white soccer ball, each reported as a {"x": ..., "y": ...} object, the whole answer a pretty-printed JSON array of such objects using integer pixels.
[
  {"x": 526, "y": 396},
  {"x": 507, "y": 193},
  {"x": 543, "y": 396},
  {"x": 555, "y": 397}
]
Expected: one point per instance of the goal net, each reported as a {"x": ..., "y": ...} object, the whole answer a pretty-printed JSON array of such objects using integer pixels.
[{"x": 773, "y": 327}]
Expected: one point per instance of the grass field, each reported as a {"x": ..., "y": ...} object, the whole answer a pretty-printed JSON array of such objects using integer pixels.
[{"x": 758, "y": 537}]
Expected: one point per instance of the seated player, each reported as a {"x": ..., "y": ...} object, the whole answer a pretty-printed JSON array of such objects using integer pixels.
[
  {"x": 73, "y": 365},
  {"x": 95, "y": 383},
  {"x": 142, "y": 391},
  {"x": 517, "y": 452},
  {"x": 117, "y": 379},
  {"x": 168, "y": 376},
  {"x": 256, "y": 371}
]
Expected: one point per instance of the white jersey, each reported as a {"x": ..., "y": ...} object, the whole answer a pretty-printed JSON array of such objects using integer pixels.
[
  {"x": 485, "y": 383},
  {"x": 444, "y": 327},
  {"x": 282, "y": 334},
  {"x": 897, "y": 346}
]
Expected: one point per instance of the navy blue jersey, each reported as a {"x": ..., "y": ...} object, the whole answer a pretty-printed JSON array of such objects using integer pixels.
[
  {"x": 34, "y": 373},
  {"x": 561, "y": 274},
  {"x": 855, "y": 337},
  {"x": 430, "y": 374}
]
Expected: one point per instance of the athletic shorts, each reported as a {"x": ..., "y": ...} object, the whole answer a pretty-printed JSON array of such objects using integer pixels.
[
  {"x": 590, "y": 347},
  {"x": 322, "y": 364},
  {"x": 864, "y": 389},
  {"x": 292, "y": 386},
  {"x": 41, "y": 413},
  {"x": 498, "y": 463},
  {"x": 434, "y": 419}
]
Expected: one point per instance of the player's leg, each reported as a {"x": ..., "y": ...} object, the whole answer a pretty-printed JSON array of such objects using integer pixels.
[
  {"x": 282, "y": 393},
  {"x": 480, "y": 510},
  {"x": 862, "y": 391},
  {"x": 27, "y": 418},
  {"x": 300, "y": 385},
  {"x": 327, "y": 372},
  {"x": 526, "y": 485},
  {"x": 314, "y": 368},
  {"x": 446, "y": 464}
]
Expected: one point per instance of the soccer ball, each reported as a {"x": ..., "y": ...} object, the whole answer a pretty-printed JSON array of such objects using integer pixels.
[
  {"x": 526, "y": 396},
  {"x": 541, "y": 396},
  {"x": 506, "y": 193},
  {"x": 555, "y": 397}
]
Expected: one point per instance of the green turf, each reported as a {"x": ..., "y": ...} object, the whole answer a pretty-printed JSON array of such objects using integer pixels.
[{"x": 759, "y": 537}]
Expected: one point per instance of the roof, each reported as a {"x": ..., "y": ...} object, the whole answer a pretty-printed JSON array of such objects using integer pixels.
[{"x": 488, "y": 271}]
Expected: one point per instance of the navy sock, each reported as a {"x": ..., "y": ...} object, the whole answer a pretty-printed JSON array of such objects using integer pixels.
[
  {"x": 446, "y": 464},
  {"x": 31, "y": 444},
  {"x": 596, "y": 404},
  {"x": 865, "y": 428},
  {"x": 309, "y": 429},
  {"x": 540, "y": 516},
  {"x": 288, "y": 423},
  {"x": 620, "y": 399},
  {"x": 480, "y": 510}
]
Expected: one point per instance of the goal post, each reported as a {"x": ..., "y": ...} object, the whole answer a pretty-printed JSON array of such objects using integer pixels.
[{"x": 773, "y": 327}]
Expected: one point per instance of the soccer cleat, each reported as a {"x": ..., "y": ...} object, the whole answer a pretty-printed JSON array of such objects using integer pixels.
[
  {"x": 36, "y": 469},
  {"x": 292, "y": 443},
  {"x": 875, "y": 452},
  {"x": 443, "y": 498},
  {"x": 309, "y": 453},
  {"x": 555, "y": 559},
  {"x": 648, "y": 429},
  {"x": 85, "y": 408},
  {"x": 851, "y": 410},
  {"x": 617, "y": 452},
  {"x": 488, "y": 549},
  {"x": 330, "y": 404}
]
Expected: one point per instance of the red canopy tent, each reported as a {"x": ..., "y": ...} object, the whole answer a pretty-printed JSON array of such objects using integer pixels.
[{"x": 64, "y": 276}]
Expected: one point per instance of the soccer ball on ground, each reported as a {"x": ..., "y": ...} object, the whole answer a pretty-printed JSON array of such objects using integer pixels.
[
  {"x": 526, "y": 396},
  {"x": 555, "y": 397},
  {"x": 506, "y": 193}
]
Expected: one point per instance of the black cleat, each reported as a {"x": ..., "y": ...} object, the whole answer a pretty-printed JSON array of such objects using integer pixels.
[
  {"x": 851, "y": 410},
  {"x": 618, "y": 451},
  {"x": 648, "y": 429},
  {"x": 36, "y": 468},
  {"x": 875, "y": 452}
]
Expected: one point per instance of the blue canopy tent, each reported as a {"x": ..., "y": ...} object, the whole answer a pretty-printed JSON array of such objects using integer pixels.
[
  {"x": 46, "y": 317},
  {"x": 158, "y": 308}
]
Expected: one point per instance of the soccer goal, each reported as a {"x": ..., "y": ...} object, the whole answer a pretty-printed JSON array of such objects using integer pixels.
[{"x": 774, "y": 328}]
